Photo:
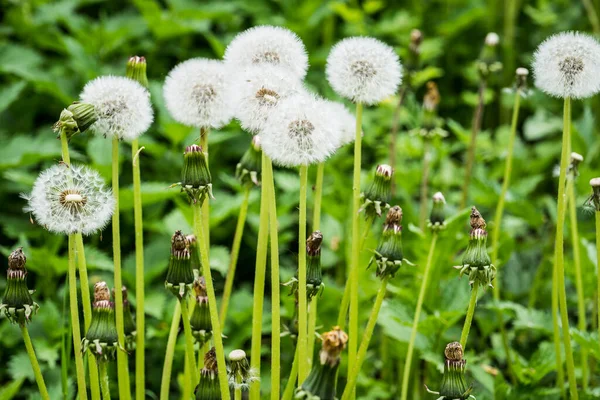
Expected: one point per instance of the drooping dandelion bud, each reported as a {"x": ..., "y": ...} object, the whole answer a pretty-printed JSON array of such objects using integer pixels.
[
  {"x": 208, "y": 387},
  {"x": 379, "y": 194},
  {"x": 180, "y": 274},
  {"x": 595, "y": 197},
  {"x": 476, "y": 262},
  {"x": 576, "y": 159},
  {"x": 200, "y": 319},
  {"x": 454, "y": 385},
  {"x": 101, "y": 337},
  {"x": 314, "y": 274},
  {"x": 76, "y": 118},
  {"x": 568, "y": 65},
  {"x": 70, "y": 199},
  {"x": 240, "y": 374},
  {"x": 17, "y": 303},
  {"x": 388, "y": 256},
  {"x": 322, "y": 380},
  {"x": 136, "y": 70},
  {"x": 437, "y": 218},
  {"x": 130, "y": 327},
  {"x": 195, "y": 254},
  {"x": 249, "y": 168},
  {"x": 196, "y": 180}
]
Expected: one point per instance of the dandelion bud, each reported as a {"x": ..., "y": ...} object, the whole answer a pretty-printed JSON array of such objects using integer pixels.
[
  {"x": 130, "y": 327},
  {"x": 388, "y": 256},
  {"x": 576, "y": 159},
  {"x": 437, "y": 218},
  {"x": 200, "y": 319},
  {"x": 454, "y": 385},
  {"x": 76, "y": 118},
  {"x": 195, "y": 177},
  {"x": 240, "y": 374},
  {"x": 101, "y": 337},
  {"x": 17, "y": 303},
  {"x": 136, "y": 70},
  {"x": 521, "y": 78},
  {"x": 248, "y": 169},
  {"x": 416, "y": 38},
  {"x": 488, "y": 59},
  {"x": 208, "y": 387},
  {"x": 379, "y": 194},
  {"x": 476, "y": 262},
  {"x": 195, "y": 254},
  {"x": 180, "y": 274},
  {"x": 595, "y": 198},
  {"x": 314, "y": 274},
  {"x": 322, "y": 381}
]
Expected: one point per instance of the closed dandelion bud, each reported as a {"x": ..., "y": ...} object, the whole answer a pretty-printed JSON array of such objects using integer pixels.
[
  {"x": 314, "y": 274},
  {"x": 388, "y": 256},
  {"x": 379, "y": 194},
  {"x": 180, "y": 274},
  {"x": 200, "y": 319},
  {"x": 248, "y": 169},
  {"x": 195, "y": 254},
  {"x": 208, "y": 387},
  {"x": 437, "y": 218},
  {"x": 576, "y": 159},
  {"x": 136, "y": 70},
  {"x": 594, "y": 199},
  {"x": 17, "y": 303},
  {"x": 488, "y": 59},
  {"x": 476, "y": 262},
  {"x": 431, "y": 125},
  {"x": 76, "y": 118},
  {"x": 322, "y": 381},
  {"x": 454, "y": 385},
  {"x": 240, "y": 374},
  {"x": 130, "y": 327},
  {"x": 101, "y": 337},
  {"x": 195, "y": 177}
]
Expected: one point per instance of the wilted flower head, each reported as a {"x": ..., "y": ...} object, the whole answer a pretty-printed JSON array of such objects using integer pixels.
[
  {"x": 101, "y": 337},
  {"x": 378, "y": 196},
  {"x": 454, "y": 385},
  {"x": 568, "y": 65},
  {"x": 476, "y": 262},
  {"x": 200, "y": 319},
  {"x": 196, "y": 93},
  {"x": 122, "y": 105},
  {"x": 487, "y": 62},
  {"x": 347, "y": 121},
  {"x": 240, "y": 374},
  {"x": 180, "y": 274},
  {"x": 268, "y": 46},
  {"x": 302, "y": 132},
  {"x": 70, "y": 199},
  {"x": 17, "y": 303},
  {"x": 363, "y": 69},
  {"x": 389, "y": 256},
  {"x": 437, "y": 218},
  {"x": 208, "y": 387},
  {"x": 248, "y": 170}
]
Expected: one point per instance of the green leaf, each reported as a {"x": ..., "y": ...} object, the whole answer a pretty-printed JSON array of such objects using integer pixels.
[
  {"x": 10, "y": 93},
  {"x": 19, "y": 367}
]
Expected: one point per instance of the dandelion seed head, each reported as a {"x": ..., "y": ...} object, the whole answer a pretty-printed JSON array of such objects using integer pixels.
[
  {"x": 363, "y": 69},
  {"x": 595, "y": 182},
  {"x": 195, "y": 93},
  {"x": 122, "y": 105},
  {"x": 68, "y": 200},
  {"x": 568, "y": 65},
  {"x": 346, "y": 120},
  {"x": 522, "y": 71}
]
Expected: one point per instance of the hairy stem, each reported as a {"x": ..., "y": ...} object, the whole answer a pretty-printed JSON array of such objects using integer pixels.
[
  {"x": 469, "y": 317},
  {"x": 303, "y": 363},
  {"x": 170, "y": 353},
  {"x": 37, "y": 372}
]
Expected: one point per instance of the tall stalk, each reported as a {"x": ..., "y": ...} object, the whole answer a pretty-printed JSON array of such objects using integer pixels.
[
  {"x": 205, "y": 209},
  {"x": 189, "y": 343},
  {"x": 425, "y": 183},
  {"x": 598, "y": 266},
  {"x": 560, "y": 373},
  {"x": 303, "y": 366},
  {"x": 291, "y": 383},
  {"x": 415, "y": 326},
  {"x": 170, "y": 353},
  {"x": 104, "y": 380},
  {"x": 470, "y": 313},
  {"x": 37, "y": 372}
]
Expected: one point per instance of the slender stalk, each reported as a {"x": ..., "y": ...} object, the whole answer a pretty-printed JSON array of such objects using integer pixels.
[
  {"x": 598, "y": 267},
  {"x": 259, "y": 284},
  {"x": 355, "y": 245},
  {"x": 81, "y": 387},
  {"x": 187, "y": 378},
  {"x": 559, "y": 249},
  {"x": 318, "y": 197},
  {"x": 425, "y": 183},
  {"x": 189, "y": 343},
  {"x": 37, "y": 372},
  {"x": 140, "y": 316},
  {"x": 235, "y": 251},
  {"x": 64, "y": 144},
  {"x": 237, "y": 394},
  {"x": 415, "y": 326},
  {"x": 65, "y": 351},
  {"x": 560, "y": 374},
  {"x": 312, "y": 326},
  {"x": 470, "y": 313},
  {"x": 122, "y": 367},
  {"x": 303, "y": 366},
  {"x": 477, "y": 116},
  {"x": 212, "y": 303},
  {"x": 291, "y": 383},
  {"x": 581, "y": 318},
  {"x": 205, "y": 209},
  {"x": 104, "y": 380},
  {"x": 170, "y": 352},
  {"x": 364, "y": 344},
  {"x": 592, "y": 16}
]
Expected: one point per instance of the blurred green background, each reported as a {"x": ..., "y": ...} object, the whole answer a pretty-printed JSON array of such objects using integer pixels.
[{"x": 50, "y": 49}]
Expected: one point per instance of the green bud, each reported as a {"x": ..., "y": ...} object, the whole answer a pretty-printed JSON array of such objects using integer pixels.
[
  {"x": 195, "y": 177},
  {"x": 200, "y": 319},
  {"x": 379, "y": 194},
  {"x": 437, "y": 218},
  {"x": 454, "y": 385},
  {"x": 208, "y": 386},
  {"x": 136, "y": 70},
  {"x": 240, "y": 374},
  {"x": 77, "y": 118},
  {"x": 17, "y": 303},
  {"x": 101, "y": 337},
  {"x": 314, "y": 274},
  {"x": 130, "y": 327},
  {"x": 388, "y": 256},
  {"x": 180, "y": 274},
  {"x": 476, "y": 262},
  {"x": 195, "y": 253},
  {"x": 249, "y": 168}
]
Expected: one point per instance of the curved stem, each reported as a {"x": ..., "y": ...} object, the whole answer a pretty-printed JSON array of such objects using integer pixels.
[
  {"x": 170, "y": 352},
  {"x": 189, "y": 343},
  {"x": 415, "y": 326},
  {"x": 37, "y": 372},
  {"x": 425, "y": 183},
  {"x": 291, "y": 383},
  {"x": 235, "y": 251},
  {"x": 469, "y": 317},
  {"x": 303, "y": 367},
  {"x": 104, "y": 380},
  {"x": 364, "y": 344},
  {"x": 64, "y": 145},
  {"x": 212, "y": 303},
  {"x": 560, "y": 374}
]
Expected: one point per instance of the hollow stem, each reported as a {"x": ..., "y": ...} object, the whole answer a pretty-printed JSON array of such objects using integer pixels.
[
  {"x": 316, "y": 221},
  {"x": 312, "y": 326},
  {"x": 65, "y": 350},
  {"x": 169, "y": 354},
  {"x": 598, "y": 267},
  {"x": 205, "y": 209},
  {"x": 303, "y": 366},
  {"x": 104, "y": 380},
  {"x": 469, "y": 317},
  {"x": 424, "y": 200},
  {"x": 64, "y": 145},
  {"x": 189, "y": 343},
  {"x": 291, "y": 383},
  {"x": 415, "y": 326},
  {"x": 364, "y": 344},
  {"x": 37, "y": 372},
  {"x": 560, "y": 374}
]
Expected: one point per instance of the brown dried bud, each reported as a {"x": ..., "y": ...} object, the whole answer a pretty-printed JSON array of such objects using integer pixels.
[
  {"x": 334, "y": 342},
  {"x": 178, "y": 241},
  {"x": 454, "y": 351},
  {"x": 477, "y": 221},
  {"x": 200, "y": 287},
  {"x": 432, "y": 97},
  {"x": 210, "y": 360},
  {"x": 313, "y": 243},
  {"x": 17, "y": 259},
  {"x": 394, "y": 217},
  {"x": 101, "y": 292}
]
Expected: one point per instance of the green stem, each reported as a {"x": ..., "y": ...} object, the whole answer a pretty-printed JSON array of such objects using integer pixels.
[
  {"x": 303, "y": 366},
  {"x": 259, "y": 284},
  {"x": 364, "y": 344},
  {"x": 140, "y": 316},
  {"x": 237, "y": 394},
  {"x": 189, "y": 343},
  {"x": 37, "y": 372},
  {"x": 424, "y": 200},
  {"x": 469, "y": 318},
  {"x": 598, "y": 267},
  {"x": 104, "y": 380},
  {"x": 81, "y": 386},
  {"x": 235, "y": 251},
  {"x": 366, "y": 232},
  {"x": 212, "y": 303},
  {"x": 312, "y": 326},
  {"x": 318, "y": 197},
  {"x": 64, "y": 347},
  {"x": 415, "y": 326},
  {"x": 291, "y": 383},
  {"x": 205, "y": 209},
  {"x": 355, "y": 245},
  {"x": 560, "y": 375},
  {"x": 592, "y": 16},
  {"x": 559, "y": 249},
  {"x": 187, "y": 378},
  {"x": 170, "y": 352},
  {"x": 64, "y": 144}
]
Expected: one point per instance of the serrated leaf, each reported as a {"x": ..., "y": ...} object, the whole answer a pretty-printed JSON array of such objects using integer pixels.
[{"x": 19, "y": 367}]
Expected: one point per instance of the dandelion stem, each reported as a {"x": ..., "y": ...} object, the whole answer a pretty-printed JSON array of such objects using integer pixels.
[
  {"x": 64, "y": 144},
  {"x": 415, "y": 326},
  {"x": 598, "y": 266},
  {"x": 590, "y": 9},
  {"x": 140, "y": 316},
  {"x": 259, "y": 284},
  {"x": 312, "y": 326},
  {"x": 560, "y": 374},
  {"x": 37, "y": 372},
  {"x": 187, "y": 378},
  {"x": 122, "y": 367},
  {"x": 189, "y": 343},
  {"x": 364, "y": 344},
  {"x": 237, "y": 393},
  {"x": 212, "y": 303},
  {"x": 425, "y": 183},
  {"x": 235, "y": 251},
  {"x": 318, "y": 197},
  {"x": 291, "y": 383},
  {"x": 205, "y": 209},
  {"x": 170, "y": 352},
  {"x": 469, "y": 317},
  {"x": 65, "y": 351},
  {"x": 104, "y": 380},
  {"x": 303, "y": 367}
]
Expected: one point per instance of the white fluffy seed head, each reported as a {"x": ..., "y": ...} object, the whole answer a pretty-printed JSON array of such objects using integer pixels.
[
  {"x": 72, "y": 199},
  {"x": 595, "y": 182},
  {"x": 268, "y": 46},
  {"x": 346, "y": 120},
  {"x": 195, "y": 93},
  {"x": 302, "y": 131},
  {"x": 122, "y": 104},
  {"x": 568, "y": 65},
  {"x": 257, "y": 92},
  {"x": 363, "y": 69}
]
